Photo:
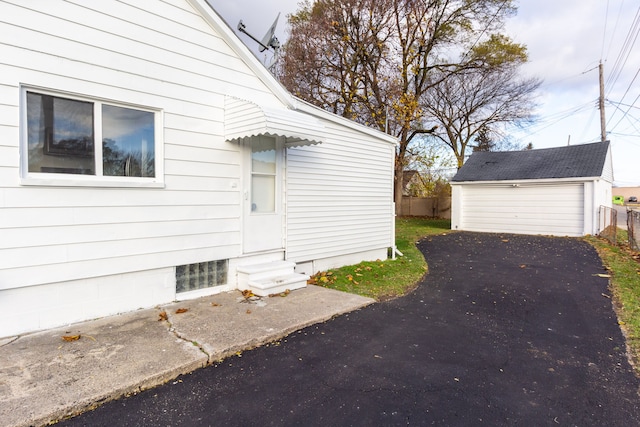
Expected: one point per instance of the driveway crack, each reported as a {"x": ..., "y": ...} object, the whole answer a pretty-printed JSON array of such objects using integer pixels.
[{"x": 164, "y": 316}]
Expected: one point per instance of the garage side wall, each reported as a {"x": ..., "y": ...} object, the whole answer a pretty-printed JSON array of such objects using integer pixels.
[{"x": 602, "y": 196}]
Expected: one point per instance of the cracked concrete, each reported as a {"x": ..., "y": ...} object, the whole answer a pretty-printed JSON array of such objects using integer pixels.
[
  {"x": 180, "y": 336},
  {"x": 44, "y": 378}
]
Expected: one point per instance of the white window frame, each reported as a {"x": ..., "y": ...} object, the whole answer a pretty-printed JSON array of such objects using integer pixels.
[{"x": 97, "y": 180}]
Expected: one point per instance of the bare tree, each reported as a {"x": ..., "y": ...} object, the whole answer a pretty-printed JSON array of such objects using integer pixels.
[
  {"x": 373, "y": 60},
  {"x": 476, "y": 105}
]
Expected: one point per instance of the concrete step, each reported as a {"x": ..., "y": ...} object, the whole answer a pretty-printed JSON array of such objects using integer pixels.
[
  {"x": 267, "y": 269},
  {"x": 270, "y": 278},
  {"x": 278, "y": 284}
]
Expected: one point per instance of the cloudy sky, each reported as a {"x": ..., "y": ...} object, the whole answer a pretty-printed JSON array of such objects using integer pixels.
[{"x": 566, "y": 39}]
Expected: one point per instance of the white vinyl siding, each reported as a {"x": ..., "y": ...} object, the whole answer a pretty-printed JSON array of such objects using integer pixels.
[
  {"x": 607, "y": 170},
  {"x": 522, "y": 208},
  {"x": 339, "y": 196},
  {"x": 135, "y": 52}
]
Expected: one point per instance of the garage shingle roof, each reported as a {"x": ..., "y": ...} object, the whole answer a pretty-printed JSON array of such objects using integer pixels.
[{"x": 572, "y": 161}]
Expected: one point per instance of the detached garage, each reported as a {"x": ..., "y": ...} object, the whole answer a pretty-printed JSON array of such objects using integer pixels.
[{"x": 553, "y": 191}]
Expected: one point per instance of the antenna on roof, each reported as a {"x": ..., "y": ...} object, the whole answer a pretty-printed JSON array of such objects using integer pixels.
[{"x": 269, "y": 41}]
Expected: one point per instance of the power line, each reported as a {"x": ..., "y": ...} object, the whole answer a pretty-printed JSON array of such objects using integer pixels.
[
  {"x": 625, "y": 51},
  {"x": 625, "y": 94},
  {"x": 552, "y": 119},
  {"x": 615, "y": 27}
]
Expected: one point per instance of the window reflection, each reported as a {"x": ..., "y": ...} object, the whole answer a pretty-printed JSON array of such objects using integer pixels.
[
  {"x": 60, "y": 135},
  {"x": 127, "y": 142}
]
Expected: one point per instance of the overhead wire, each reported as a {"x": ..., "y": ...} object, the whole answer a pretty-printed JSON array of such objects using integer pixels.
[
  {"x": 620, "y": 65},
  {"x": 625, "y": 51},
  {"x": 632, "y": 104},
  {"x": 552, "y": 119}
]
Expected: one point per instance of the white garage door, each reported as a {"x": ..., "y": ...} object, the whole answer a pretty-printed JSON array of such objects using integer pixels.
[{"x": 524, "y": 209}]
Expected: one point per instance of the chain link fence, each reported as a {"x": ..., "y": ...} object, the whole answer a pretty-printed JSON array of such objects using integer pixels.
[{"x": 608, "y": 223}]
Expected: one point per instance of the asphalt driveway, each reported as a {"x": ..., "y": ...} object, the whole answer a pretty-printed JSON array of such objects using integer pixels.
[{"x": 503, "y": 330}]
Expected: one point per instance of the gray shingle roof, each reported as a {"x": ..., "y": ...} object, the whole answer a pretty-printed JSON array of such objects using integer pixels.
[{"x": 572, "y": 161}]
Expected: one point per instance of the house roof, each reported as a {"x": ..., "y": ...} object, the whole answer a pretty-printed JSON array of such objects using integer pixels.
[
  {"x": 574, "y": 161},
  {"x": 408, "y": 175},
  {"x": 291, "y": 102}
]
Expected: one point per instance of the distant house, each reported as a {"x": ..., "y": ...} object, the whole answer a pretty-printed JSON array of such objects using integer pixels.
[
  {"x": 147, "y": 156},
  {"x": 412, "y": 184},
  {"x": 554, "y": 191}
]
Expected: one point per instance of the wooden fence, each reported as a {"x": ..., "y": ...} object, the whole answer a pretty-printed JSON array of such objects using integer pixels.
[{"x": 431, "y": 207}]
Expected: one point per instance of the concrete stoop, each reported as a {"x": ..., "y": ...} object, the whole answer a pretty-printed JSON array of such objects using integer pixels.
[{"x": 270, "y": 278}]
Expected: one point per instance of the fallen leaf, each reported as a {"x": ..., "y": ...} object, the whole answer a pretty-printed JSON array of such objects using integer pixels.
[
  {"x": 523, "y": 266},
  {"x": 215, "y": 304},
  {"x": 248, "y": 311},
  {"x": 505, "y": 240},
  {"x": 247, "y": 293},
  {"x": 162, "y": 316},
  {"x": 70, "y": 338},
  {"x": 281, "y": 294},
  {"x": 181, "y": 310}
]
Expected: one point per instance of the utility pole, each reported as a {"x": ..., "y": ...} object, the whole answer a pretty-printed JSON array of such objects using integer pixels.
[{"x": 603, "y": 125}]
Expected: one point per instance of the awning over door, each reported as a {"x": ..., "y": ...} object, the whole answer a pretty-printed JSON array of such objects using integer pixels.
[{"x": 245, "y": 119}]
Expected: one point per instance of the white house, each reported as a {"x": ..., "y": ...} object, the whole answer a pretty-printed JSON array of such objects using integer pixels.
[
  {"x": 147, "y": 156},
  {"x": 553, "y": 191}
]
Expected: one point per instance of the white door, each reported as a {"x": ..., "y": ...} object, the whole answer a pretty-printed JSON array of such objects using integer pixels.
[
  {"x": 263, "y": 216},
  {"x": 551, "y": 209}
]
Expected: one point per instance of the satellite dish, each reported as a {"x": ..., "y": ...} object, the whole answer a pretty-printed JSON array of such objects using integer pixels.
[{"x": 269, "y": 41}]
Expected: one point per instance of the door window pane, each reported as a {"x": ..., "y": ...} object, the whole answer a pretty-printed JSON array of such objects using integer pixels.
[
  {"x": 263, "y": 193},
  {"x": 127, "y": 142},
  {"x": 263, "y": 155},
  {"x": 60, "y": 135},
  {"x": 263, "y": 174}
]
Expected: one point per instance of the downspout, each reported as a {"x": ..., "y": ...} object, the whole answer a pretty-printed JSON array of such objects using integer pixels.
[{"x": 394, "y": 248}]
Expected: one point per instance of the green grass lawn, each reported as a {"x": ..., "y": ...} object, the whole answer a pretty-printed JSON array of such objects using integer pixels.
[
  {"x": 624, "y": 268},
  {"x": 384, "y": 279}
]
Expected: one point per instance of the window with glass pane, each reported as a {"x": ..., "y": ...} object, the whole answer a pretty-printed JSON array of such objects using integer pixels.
[
  {"x": 127, "y": 142},
  {"x": 63, "y": 136},
  {"x": 60, "y": 135},
  {"x": 263, "y": 175}
]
